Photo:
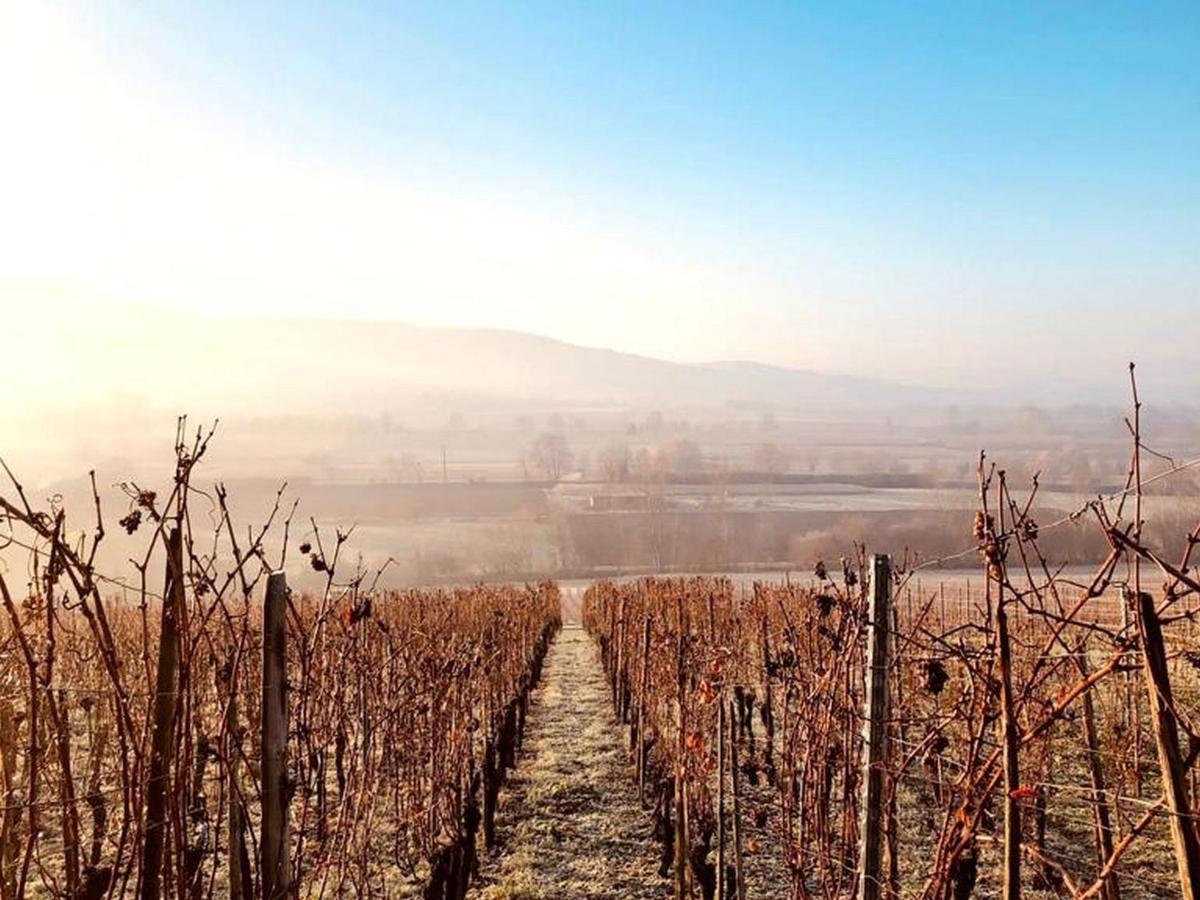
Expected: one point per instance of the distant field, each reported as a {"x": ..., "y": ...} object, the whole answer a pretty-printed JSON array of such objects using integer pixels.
[{"x": 494, "y": 531}]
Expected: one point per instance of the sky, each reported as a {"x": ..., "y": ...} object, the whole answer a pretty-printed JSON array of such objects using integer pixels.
[{"x": 941, "y": 193}]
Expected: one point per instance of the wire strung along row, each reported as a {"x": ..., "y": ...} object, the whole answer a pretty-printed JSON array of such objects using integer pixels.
[
  {"x": 131, "y": 730},
  {"x": 1042, "y": 738}
]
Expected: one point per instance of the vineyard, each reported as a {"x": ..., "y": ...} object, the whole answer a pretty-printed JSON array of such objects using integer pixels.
[
  {"x": 751, "y": 713},
  {"x": 158, "y": 745},
  {"x": 855, "y": 735},
  {"x": 199, "y": 730}
]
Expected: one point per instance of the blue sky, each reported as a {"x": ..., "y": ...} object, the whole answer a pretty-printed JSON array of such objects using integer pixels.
[{"x": 887, "y": 188}]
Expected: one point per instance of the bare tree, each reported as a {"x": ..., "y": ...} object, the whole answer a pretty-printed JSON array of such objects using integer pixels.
[
  {"x": 614, "y": 462},
  {"x": 551, "y": 454},
  {"x": 682, "y": 456}
]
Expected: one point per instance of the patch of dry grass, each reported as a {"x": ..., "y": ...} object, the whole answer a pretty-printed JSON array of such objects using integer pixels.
[{"x": 569, "y": 823}]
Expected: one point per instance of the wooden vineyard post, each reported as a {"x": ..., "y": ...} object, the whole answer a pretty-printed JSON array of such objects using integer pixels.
[
  {"x": 735, "y": 784},
  {"x": 1130, "y": 709},
  {"x": 10, "y": 813},
  {"x": 875, "y": 721},
  {"x": 610, "y": 659},
  {"x": 681, "y": 835},
  {"x": 276, "y": 862},
  {"x": 1012, "y": 807},
  {"x": 622, "y": 672},
  {"x": 1103, "y": 819},
  {"x": 162, "y": 740},
  {"x": 895, "y": 731},
  {"x": 721, "y": 797},
  {"x": 1166, "y": 735},
  {"x": 238, "y": 863},
  {"x": 768, "y": 707},
  {"x": 641, "y": 714}
]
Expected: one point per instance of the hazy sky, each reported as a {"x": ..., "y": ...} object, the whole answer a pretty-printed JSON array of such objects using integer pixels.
[{"x": 941, "y": 192}]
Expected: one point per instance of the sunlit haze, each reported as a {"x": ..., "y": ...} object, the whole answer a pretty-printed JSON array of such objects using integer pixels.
[
  {"x": 599, "y": 450},
  {"x": 872, "y": 192}
]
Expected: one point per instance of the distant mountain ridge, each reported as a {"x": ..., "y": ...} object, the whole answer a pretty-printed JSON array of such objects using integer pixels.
[
  {"x": 522, "y": 365},
  {"x": 355, "y": 366}
]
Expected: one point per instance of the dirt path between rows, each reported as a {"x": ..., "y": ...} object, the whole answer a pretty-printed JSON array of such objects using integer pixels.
[{"x": 569, "y": 824}]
